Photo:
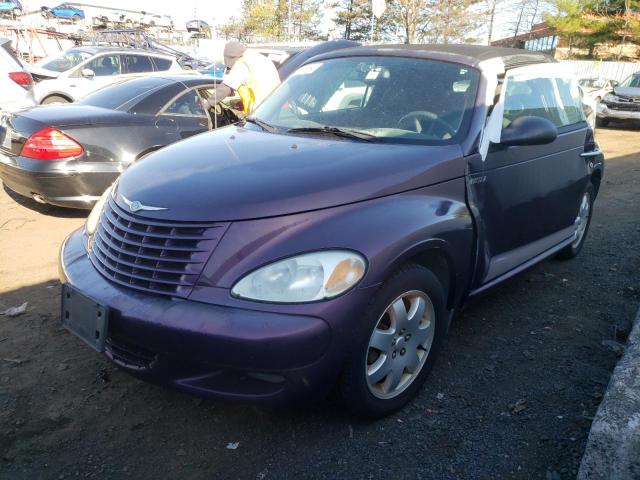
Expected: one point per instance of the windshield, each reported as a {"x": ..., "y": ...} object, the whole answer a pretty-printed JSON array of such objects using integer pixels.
[
  {"x": 632, "y": 81},
  {"x": 124, "y": 95},
  {"x": 392, "y": 99},
  {"x": 66, "y": 61},
  {"x": 591, "y": 83}
]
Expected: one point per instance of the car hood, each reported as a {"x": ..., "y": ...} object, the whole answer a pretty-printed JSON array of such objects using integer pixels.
[
  {"x": 627, "y": 91},
  {"x": 238, "y": 173}
]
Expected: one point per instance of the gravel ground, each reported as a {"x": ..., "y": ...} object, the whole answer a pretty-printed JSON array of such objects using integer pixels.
[{"x": 512, "y": 396}]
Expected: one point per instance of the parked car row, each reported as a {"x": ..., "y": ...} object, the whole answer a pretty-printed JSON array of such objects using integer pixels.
[
  {"x": 324, "y": 243},
  {"x": 623, "y": 103},
  {"x": 68, "y": 155},
  {"x": 79, "y": 71}
]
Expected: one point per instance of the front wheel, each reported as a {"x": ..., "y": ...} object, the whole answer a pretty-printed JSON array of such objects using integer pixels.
[
  {"x": 396, "y": 343},
  {"x": 582, "y": 222}
]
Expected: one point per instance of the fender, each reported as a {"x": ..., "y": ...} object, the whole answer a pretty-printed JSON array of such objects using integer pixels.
[{"x": 398, "y": 228}]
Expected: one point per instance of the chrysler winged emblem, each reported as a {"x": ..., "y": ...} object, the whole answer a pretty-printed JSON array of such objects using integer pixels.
[{"x": 136, "y": 206}]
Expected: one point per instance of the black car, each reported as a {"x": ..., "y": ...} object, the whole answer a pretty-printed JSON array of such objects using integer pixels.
[{"x": 67, "y": 155}]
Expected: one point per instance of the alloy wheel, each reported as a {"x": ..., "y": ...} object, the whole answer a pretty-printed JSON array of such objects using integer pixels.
[
  {"x": 400, "y": 344},
  {"x": 582, "y": 220}
]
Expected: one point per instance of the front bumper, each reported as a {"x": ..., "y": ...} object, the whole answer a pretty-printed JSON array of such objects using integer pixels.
[
  {"x": 609, "y": 111},
  {"x": 37, "y": 179},
  {"x": 207, "y": 349}
]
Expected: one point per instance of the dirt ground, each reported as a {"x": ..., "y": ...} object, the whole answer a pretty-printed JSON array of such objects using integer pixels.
[{"x": 512, "y": 395}]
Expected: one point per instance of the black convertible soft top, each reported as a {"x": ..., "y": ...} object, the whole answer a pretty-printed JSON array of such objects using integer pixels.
[{"x": 471, "y": 55}]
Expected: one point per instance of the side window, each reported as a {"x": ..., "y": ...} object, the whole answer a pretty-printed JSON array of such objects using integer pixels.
[
  {"x": 187, "y": 104},
  {"x": 162, "y": 64},
  {"x": 137, "y": 64},
  {"x": 571, "y": 102},
  {"x": 105, "y": 65},
  {"x": 551, "y": 98}
]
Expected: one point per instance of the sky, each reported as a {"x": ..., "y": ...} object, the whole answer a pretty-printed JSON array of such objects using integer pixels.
[{"x": 217, "y": 12}]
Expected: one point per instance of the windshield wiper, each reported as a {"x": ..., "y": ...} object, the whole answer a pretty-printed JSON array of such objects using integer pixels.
[
  {"x": 340, "y": 132},
  {"x": 262, "y": 124}
]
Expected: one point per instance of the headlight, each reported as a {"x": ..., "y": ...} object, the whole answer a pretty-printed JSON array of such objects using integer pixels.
[
  {"x": 92, "y": 220},
  {"x": 303, "y": 278},
  {"x": 609, "y": 97}
]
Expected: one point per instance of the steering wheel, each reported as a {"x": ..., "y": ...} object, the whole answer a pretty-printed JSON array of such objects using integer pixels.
[{"x": 413, "y": 121}]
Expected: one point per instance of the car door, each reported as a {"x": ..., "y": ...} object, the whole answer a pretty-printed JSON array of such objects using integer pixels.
[
  {"x": 186, "y": 115},
  {"x": 106, "y": 70},
  {"x": 528, "y": 197}
]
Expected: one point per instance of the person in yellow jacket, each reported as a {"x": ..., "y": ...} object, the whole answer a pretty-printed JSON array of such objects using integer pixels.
[{"x": 249, "y": 73}]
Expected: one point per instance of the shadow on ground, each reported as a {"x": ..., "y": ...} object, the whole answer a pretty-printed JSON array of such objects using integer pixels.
[{"x": 45, "y": 209}]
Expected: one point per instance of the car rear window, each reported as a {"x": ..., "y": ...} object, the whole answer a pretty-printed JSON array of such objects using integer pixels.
[
  {"x": 124, "y": 95},
  {"x": 162, "y": 64}
]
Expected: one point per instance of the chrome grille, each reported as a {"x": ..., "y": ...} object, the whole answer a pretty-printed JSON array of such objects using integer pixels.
[{"x": 152, "y": 255}]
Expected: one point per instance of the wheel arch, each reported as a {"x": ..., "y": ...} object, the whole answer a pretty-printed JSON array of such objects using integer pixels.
[
  {"x": 57, "y": 94},
  {"x": 437, "y": 256}
]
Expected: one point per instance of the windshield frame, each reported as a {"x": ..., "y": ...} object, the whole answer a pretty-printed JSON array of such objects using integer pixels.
[{"x": 460, "y": 136}]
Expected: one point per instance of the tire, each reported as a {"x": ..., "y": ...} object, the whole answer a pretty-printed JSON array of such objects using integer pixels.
[
  {"x": 573, "y": 249},
  {"x": 52, "y": 99},
  {"x": 602, "y": 122},
  {"x": 357, "y": 387},
  {"x": 76, "y": 18}
]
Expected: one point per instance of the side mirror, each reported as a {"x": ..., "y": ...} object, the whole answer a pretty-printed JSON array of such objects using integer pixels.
[
  {"x": 614, "y": 83},
  {"x": 87, "y": 73},
  {"x": 529, "y": 130}
]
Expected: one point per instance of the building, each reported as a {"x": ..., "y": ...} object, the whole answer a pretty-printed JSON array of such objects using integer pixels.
[{"x": 540, "y": 39}]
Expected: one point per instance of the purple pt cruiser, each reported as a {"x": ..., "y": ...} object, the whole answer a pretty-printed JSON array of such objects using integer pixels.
[{"x": 326, "y": 243}]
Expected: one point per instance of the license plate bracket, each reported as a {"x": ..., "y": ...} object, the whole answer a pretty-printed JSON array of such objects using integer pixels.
[{"x": 84, "y": 317}]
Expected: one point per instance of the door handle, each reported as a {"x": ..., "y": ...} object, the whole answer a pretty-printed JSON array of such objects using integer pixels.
[{"x": 593, "y": 153}]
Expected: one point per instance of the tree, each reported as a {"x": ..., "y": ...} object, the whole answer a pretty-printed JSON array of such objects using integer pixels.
[
  {"x": 491, "y": 14},
  {"x": 568, "y": 20},
  {"x": 233, "y": 29},
  {"x": 355, "y": 19},
  {"x": 585, "y": 23},
  {"x": 413, "y": 16},
  {"x": 269, "y": 20},
  {"x": 450, "y": 22},
  {"x": 436, "y": 21}
]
